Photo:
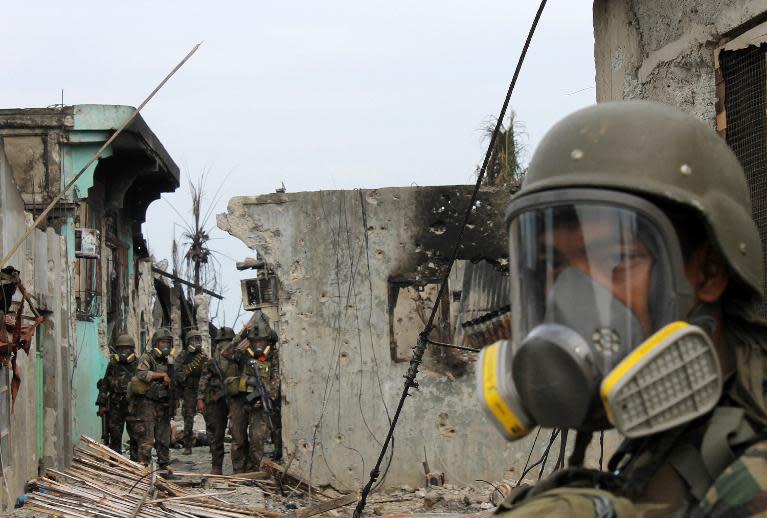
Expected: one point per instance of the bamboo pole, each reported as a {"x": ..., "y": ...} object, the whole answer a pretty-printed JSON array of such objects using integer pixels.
[{"x": 95, "y": 157}]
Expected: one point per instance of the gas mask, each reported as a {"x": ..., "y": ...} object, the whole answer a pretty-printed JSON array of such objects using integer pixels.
[
  {"x": 162, "y": 351},
  {"x": 259, "y": 350},
  {"x": 599, "y": 300},
  {"x": 194, "y": 345},
  {"x": 124, "y": 356}
]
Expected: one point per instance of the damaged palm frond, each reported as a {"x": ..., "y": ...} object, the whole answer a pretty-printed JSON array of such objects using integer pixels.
[
  {"x": 505, "y": 168},
  {"x": 198, "y": 254}
]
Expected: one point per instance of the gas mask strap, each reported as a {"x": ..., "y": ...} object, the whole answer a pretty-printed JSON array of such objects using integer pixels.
[
  {"x": 562, "y": 449},
  {"x": 582, "y": 441},
  {"x": 703, "y": 315}
]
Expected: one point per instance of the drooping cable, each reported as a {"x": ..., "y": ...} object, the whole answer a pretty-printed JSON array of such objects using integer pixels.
[{"x": 420, "y": 347}]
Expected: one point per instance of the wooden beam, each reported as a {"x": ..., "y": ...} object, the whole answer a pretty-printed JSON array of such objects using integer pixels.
[{"x": 182, "y": 281}]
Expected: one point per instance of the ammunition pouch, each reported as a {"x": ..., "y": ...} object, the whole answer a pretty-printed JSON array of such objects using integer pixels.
[
  {"x": 137, "y": 388},
  {"x": 157, "y": 392},
  {"x": 232, "y": 385}
]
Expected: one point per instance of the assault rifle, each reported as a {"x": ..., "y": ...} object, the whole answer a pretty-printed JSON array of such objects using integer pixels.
[
  {"x": 260, "y": 392},
  {"x": 172, "y": 386},
  {"x": 100, "y": 402}
]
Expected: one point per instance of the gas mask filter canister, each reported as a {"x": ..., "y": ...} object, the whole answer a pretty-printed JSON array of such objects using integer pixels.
[{"x": 670, "y": 379}]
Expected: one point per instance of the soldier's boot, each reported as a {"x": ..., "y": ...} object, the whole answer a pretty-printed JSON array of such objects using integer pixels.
[
  {"x": 216, "y": 470},
  {"x": 188, "y": 444}
]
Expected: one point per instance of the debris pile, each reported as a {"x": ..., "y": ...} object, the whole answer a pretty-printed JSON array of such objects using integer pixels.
[{"x": 101, "y": 482}]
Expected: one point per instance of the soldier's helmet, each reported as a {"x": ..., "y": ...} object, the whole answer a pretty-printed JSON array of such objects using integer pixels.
[
  {"x": 126, "y": 348},
  {"x": 125, "y": 341},
  {"x": 162, "y": 333},
  {"x": 262, "y": 331},
  {"x": 193, "y": 340},
  {"x": 662, "y": 154},
  {"x": 225, "y": 334}
]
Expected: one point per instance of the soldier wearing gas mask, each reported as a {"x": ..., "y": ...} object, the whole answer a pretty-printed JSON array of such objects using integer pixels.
[
  {"x": 113, "y": 395},
  {"x": 251, "y": 394},
  {"x": 211, "y": 396},
  {"x": 189, "y": 366},
  {"x": 636, "y": 287},
  {"x": 149, "y": 392}
]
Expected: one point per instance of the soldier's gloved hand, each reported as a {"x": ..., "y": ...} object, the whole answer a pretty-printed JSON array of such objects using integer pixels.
[
  {"x": 201, "y": 406},
  {"x": 102, "y": 411}
]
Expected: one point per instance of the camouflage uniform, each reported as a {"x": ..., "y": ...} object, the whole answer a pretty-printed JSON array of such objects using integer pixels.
[
  {"x": 211, "y": 390},
  {"x": 276, "y": 391},
  {"x": 113, "y": 394},
  {"x": 189, "y": 367},
  {"x": 152, "y": 411},
  {"x": 249, "y": 423}
]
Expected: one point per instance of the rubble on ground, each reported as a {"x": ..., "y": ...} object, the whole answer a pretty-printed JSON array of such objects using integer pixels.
[{"x": 101, "y": 482}]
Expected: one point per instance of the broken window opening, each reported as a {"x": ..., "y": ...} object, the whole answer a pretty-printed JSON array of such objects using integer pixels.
[
  {"x": 259, "y": 292},
  {"x": 410, "y": 305},
  {"x": 88, "y": 292}
]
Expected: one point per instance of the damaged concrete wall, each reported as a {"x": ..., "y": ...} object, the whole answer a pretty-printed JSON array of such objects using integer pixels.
[
  {"x": 664, "y": 51},
  {"x": 40, "y": 425},
  {"x": 337, "y": 255}
]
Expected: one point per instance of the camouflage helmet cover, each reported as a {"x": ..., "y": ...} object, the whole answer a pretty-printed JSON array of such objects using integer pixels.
[
  {"x": 193, "y": 334},
  {"x": 659, "y": 152},
  {"x": 125, "y": 341},
  {"x": 162, "y": 333}
]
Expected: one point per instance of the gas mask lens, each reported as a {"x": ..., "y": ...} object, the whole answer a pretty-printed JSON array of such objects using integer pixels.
[{"x": 593, "y": 275}]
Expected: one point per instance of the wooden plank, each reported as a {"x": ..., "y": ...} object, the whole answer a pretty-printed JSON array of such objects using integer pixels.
[{"x": 323, "y": 507}]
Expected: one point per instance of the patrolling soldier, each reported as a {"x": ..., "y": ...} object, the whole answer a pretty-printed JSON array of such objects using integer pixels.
[
  {"x": 251, "y": 395},
  {"x": 113, "y": 395},
  {"x": 189, "y": 366},
  {"x": 211, "y": 396},
  {"x": 636, "y": 280},
  {"x": 149, "y": 393}
]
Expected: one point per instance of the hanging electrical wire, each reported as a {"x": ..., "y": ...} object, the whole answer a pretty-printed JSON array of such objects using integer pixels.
[{"x": 420, "y": 347}]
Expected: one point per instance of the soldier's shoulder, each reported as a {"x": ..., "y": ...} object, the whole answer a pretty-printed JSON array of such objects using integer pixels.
[
  {"x": 145, "y": 361},
  {"x": 741, "y": 489}
]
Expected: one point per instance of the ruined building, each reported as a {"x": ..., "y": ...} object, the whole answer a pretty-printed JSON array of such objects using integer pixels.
[
  {"x": 352, "y": 277},
  {"x": 87, "y": 267}
]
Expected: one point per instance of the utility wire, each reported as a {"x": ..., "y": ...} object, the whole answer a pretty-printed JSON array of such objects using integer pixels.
[{"x": 420, "y": 347}]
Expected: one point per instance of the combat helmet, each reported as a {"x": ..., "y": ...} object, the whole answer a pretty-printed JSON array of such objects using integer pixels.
[
  {"x": 190, "y": 335},
  {"x": 225, "y": 334},
  {"x": 162, "y": 333},
  {"x": 122, "y": 343},
  {"x": 660, "y": 153}
]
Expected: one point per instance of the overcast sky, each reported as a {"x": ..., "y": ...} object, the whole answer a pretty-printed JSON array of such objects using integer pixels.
[{"x": 316, "y": 94}]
